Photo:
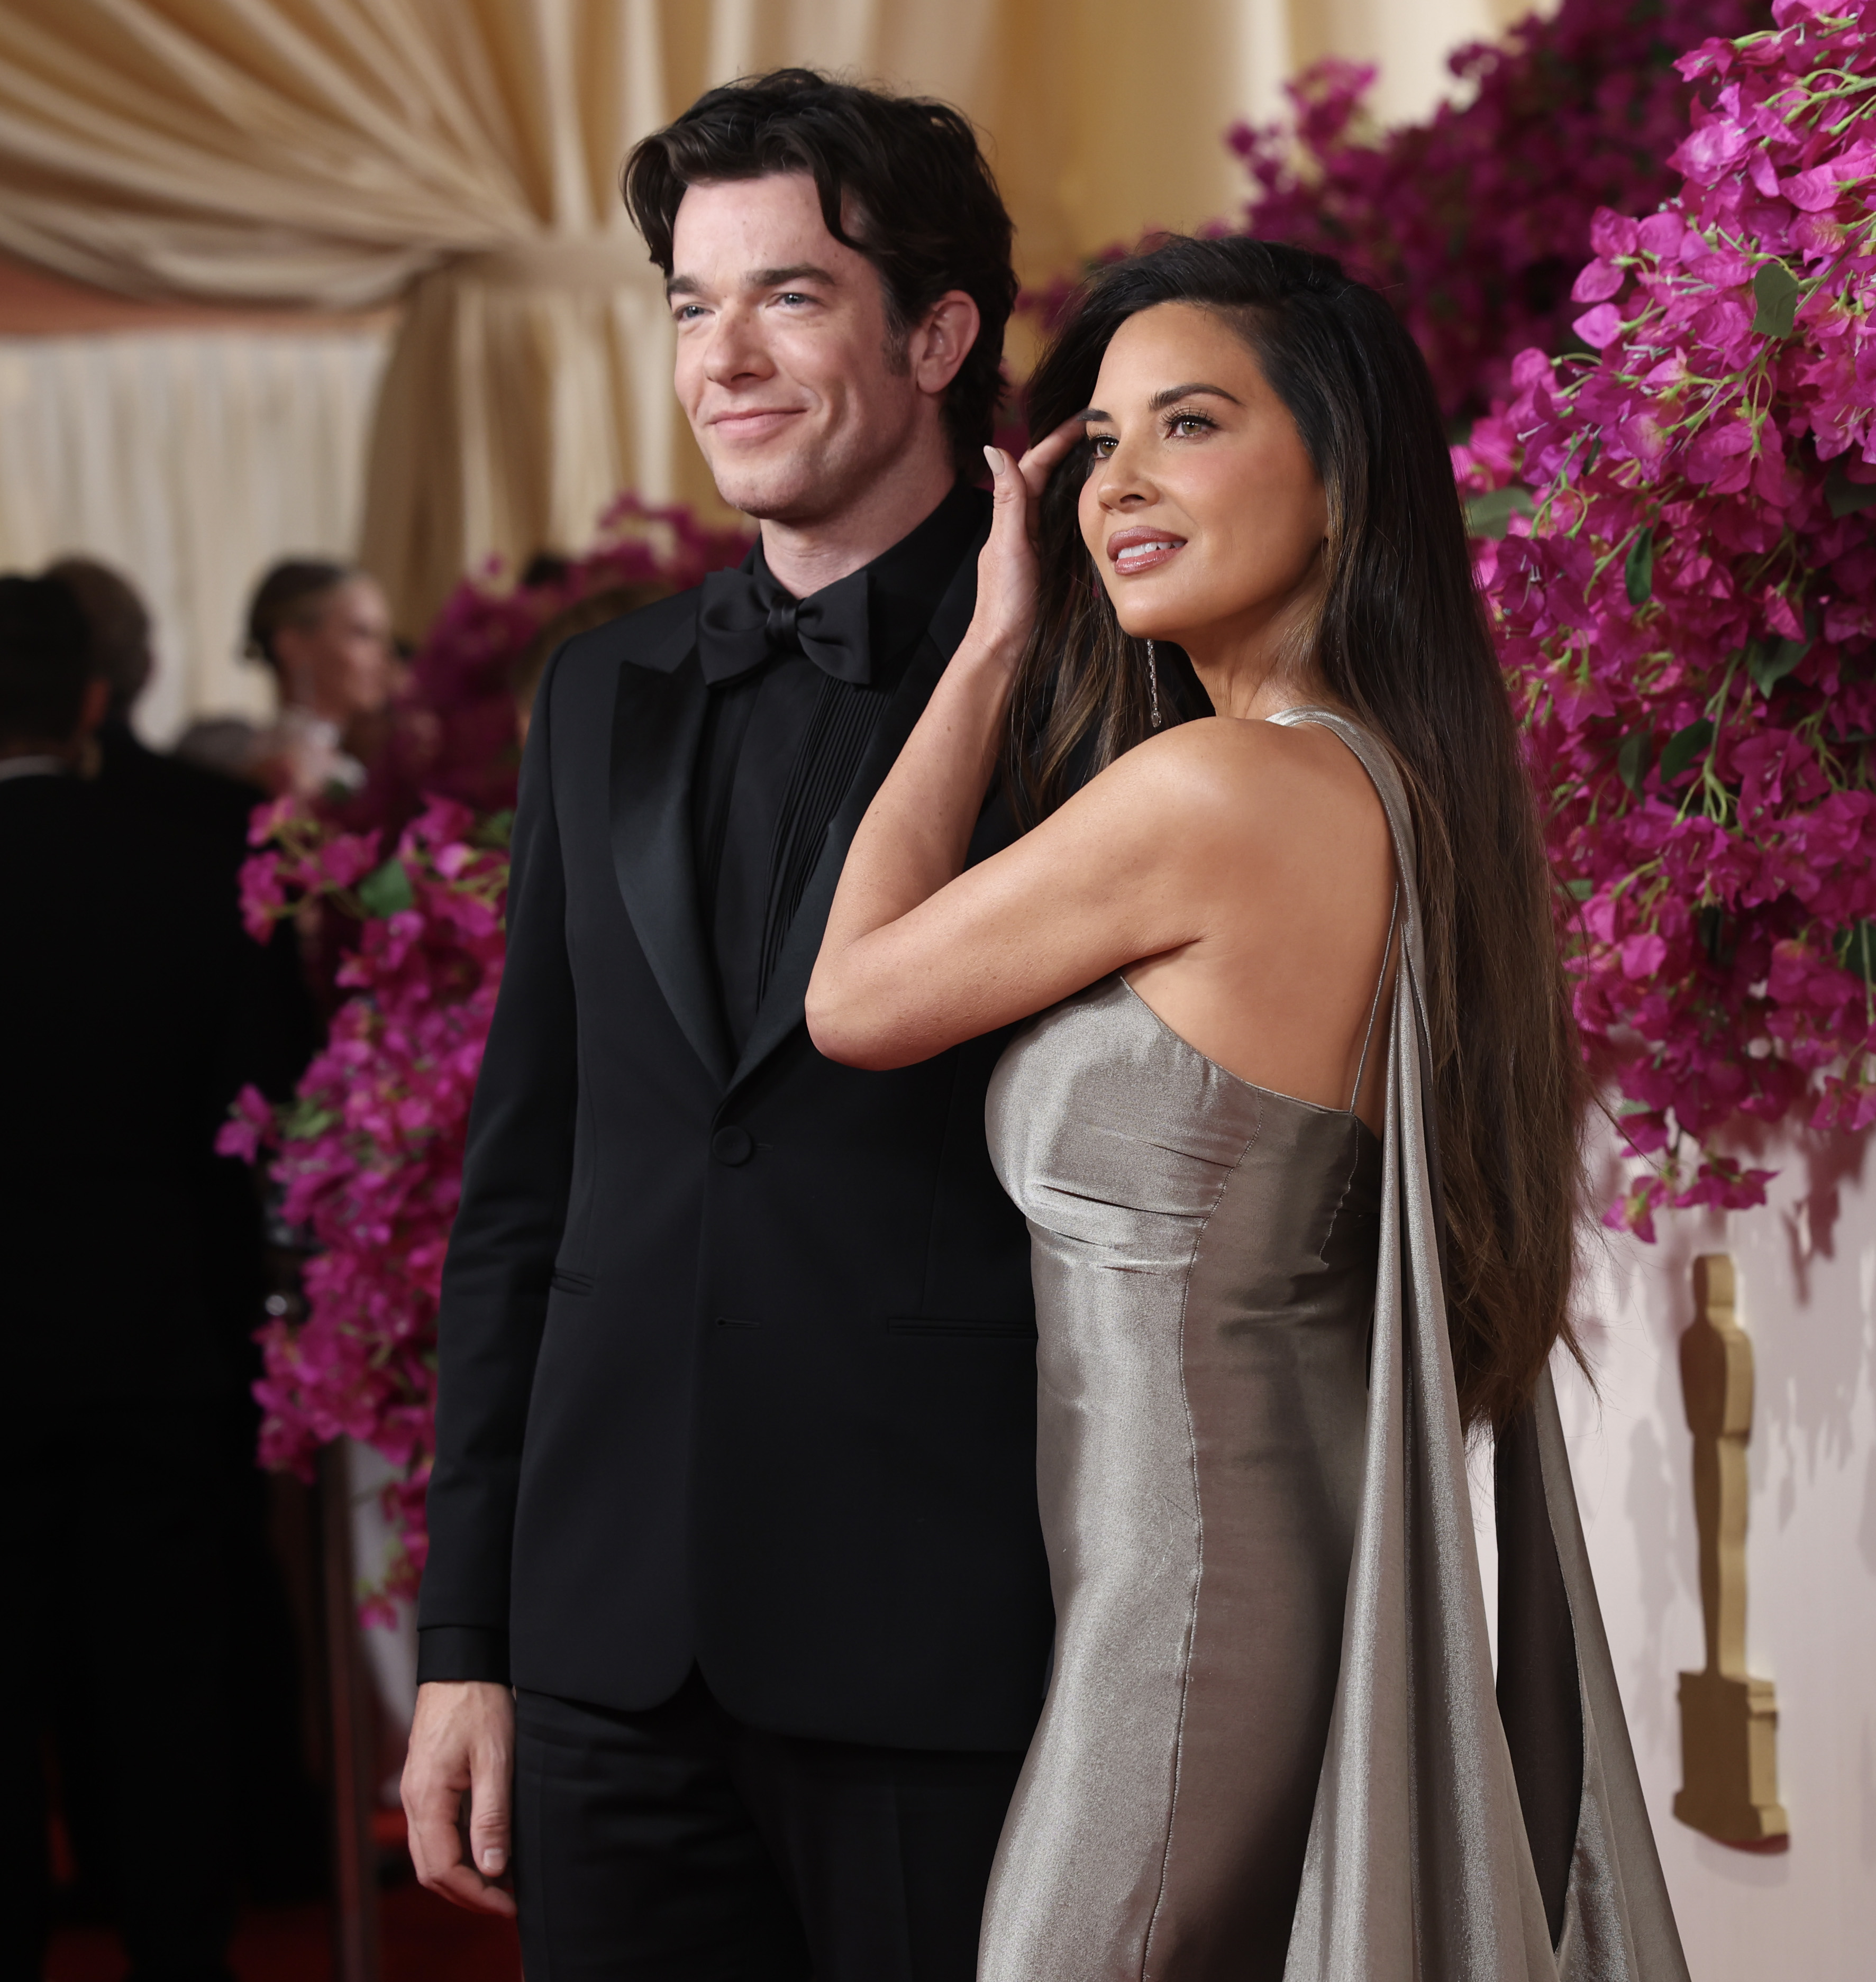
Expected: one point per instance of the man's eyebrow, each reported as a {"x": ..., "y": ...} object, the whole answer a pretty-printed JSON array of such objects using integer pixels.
[
  {"x": 1161, "y": 401},
  {"x": 682, "y": 285},
  {"x": 796, "y": 272}
]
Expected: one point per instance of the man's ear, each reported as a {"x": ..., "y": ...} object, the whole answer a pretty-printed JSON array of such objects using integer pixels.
[{"x": 942, "y": 342}]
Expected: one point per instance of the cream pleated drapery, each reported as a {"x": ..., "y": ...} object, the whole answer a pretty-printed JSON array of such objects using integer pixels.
[
  {"x": 462, "y": 156},
  {"x": 334, "y": 154}
]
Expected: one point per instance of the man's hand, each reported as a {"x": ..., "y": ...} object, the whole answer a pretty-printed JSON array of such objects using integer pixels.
[{"x": 462, "y": 1753}]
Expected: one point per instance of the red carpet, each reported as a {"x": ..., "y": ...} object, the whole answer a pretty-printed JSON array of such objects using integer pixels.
[{"x": 425, "y": 1940}]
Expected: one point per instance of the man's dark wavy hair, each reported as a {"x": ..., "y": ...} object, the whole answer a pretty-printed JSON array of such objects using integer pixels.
[{"x": 902, "y": 181}]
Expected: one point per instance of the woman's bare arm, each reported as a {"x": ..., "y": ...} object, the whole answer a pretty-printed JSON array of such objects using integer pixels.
[
  {"x": 911, "y": 967},
  {"x": 914, "y": 959}
]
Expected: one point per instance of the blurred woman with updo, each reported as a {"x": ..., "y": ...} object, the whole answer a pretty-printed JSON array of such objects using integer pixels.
[{"x": 325, "y": 631}]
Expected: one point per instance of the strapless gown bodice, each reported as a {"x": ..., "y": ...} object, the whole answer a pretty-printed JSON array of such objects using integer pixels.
[{"x": 1204, "y": 1261}]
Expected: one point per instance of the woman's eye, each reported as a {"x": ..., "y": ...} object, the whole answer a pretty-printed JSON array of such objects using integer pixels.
[
  {"x": 1189, "y": 424},
  {"x": 1102, "y": 446}
]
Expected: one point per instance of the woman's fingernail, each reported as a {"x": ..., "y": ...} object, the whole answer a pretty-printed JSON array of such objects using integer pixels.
[
  {"x": 491, "y": 1861},
  {"x": 994, "y": 456}
]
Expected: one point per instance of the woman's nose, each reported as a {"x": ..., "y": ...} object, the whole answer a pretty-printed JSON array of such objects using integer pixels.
[{"x": 1118, "y": 483}]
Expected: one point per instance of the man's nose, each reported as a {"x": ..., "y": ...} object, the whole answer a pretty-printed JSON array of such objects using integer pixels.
[{"x": 735, "y": 351}]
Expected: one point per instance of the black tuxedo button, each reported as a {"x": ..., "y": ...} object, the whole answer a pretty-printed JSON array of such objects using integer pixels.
[{"x": 732, "y": 1145}]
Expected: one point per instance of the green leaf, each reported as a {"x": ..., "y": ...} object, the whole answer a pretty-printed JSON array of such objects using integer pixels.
[
  {"x": 302, "y": 1121},
  {"x": 1638, "y": 572},
  {"x": 1490, "y": 514},
  {"x": 1683, "y": 747},
  {"x": 1855, "y": 949},
  {"x": 1845, "y": 497},
  {"x": 1768, "y": 661},
  {"x": 495, "y": 829},
  {"x": 386, "y": 890},
  {"x": 1632, "y": 758},
  {"x": 1777, "y": 290},
  {"x": 1580, "y": 889}
]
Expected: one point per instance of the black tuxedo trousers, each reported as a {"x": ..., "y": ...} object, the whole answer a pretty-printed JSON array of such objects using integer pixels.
[{"x": 737, "y": 1352}]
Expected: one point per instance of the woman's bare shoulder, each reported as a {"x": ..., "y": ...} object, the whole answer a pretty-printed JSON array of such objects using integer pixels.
[{"x": 1237, "y": 777}]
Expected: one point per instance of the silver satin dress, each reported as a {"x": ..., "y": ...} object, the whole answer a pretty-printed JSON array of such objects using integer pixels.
[{"x": 1270, "y": 1747}]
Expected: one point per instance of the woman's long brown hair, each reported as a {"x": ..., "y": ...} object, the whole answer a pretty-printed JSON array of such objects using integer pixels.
[{"x": 1400, "y": 641}]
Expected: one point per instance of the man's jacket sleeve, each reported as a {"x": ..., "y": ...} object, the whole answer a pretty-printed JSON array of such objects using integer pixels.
[{"x": 515, "y": 1181}]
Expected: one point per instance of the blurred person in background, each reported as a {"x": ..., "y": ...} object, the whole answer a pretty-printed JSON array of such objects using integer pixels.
[
  {"x": 280, "y": 1857},
  {"x": 324, "y": 630},
  {"x": 123, "y": 658},
  {"x": 130, "y": 1013}
]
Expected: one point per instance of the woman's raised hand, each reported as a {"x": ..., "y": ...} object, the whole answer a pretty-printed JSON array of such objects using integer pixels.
[{"x": 1007, "y": 565}]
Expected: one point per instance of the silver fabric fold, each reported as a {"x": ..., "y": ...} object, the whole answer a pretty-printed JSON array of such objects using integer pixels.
[{"x": 1417, "y": 1865}]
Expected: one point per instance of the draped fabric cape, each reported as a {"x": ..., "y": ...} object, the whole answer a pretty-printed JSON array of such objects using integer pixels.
[{"x": 1458, "y": 1837}]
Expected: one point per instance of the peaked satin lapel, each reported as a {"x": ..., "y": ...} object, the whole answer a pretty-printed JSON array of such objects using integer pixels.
[
  {"x": 657, "y": 718},
  {"x": 782, "y": 1008}
]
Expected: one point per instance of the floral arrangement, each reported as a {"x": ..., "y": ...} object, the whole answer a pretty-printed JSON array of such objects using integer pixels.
[
  {"x": 1687, "y": 616},
  {"x": 368, "y": 1154},
  {"x": 1475, "y": 221}
]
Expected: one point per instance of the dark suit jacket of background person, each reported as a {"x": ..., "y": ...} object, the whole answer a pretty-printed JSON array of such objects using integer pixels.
[
  {"x": 215, "y": 811},
  {"x": 198, "y": 801},
  {"x": 132, "y": 1006},
  {"x": 738, "y": 1354}
]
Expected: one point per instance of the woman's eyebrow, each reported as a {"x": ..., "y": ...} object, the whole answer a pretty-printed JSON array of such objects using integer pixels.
[{"x": 1161, "y": 401}]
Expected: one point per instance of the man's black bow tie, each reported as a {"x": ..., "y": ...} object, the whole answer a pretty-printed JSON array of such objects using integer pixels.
[{"x": 747, "y": 617}]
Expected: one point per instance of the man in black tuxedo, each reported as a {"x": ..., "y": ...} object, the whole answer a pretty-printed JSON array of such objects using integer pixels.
[{"x": 735, "y": 1479}]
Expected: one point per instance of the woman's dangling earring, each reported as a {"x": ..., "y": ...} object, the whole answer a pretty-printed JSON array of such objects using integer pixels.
[{"x": 1152, "y": 684}]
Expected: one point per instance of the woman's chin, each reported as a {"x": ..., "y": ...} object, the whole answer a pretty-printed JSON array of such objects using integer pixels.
[{"x": 1152, "y": 626}]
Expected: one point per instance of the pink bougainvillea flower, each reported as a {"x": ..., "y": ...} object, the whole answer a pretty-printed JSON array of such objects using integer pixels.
[
  {"x": 1474, "y": 222},
  {"x": 1688, "y": 617},
  {"x": 249, "y": 1128}
]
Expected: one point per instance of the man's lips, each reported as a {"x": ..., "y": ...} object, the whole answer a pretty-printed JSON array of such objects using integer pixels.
[
  {"x": 751, "y": 423},
  {"x": 1140, "y": 549}
]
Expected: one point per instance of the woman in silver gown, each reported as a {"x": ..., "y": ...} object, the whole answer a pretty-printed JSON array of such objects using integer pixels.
[{"x": 1293, "y": 1120}]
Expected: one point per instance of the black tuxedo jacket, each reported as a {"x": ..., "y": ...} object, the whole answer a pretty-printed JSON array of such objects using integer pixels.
[{"x": 737, "y": 1354}]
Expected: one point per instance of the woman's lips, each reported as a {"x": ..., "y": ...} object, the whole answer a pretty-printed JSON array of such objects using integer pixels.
[{"x": 1134, "y": 551}]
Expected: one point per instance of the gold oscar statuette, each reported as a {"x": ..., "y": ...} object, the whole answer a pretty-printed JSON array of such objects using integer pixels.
[{"x": 1729, "y": 1720}]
